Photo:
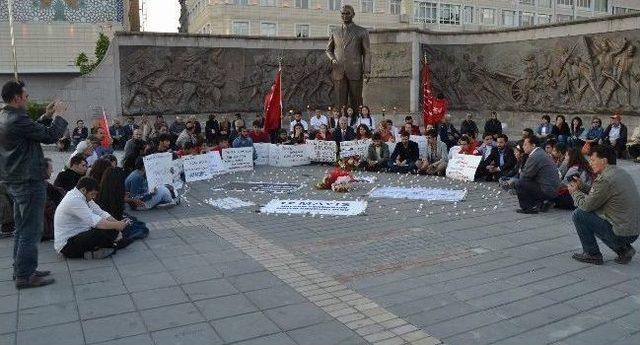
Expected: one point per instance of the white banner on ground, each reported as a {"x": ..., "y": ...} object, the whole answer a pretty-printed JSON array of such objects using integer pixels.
[
  {"x": 198, "y": 167},
  {"x": 289, "y": 155},
  {"x": 238, "y": 159},
  {"x": 228, "y": 203},
  {"x": 463, "y": 167},
  {"x": 264, "y": 187},
  {"x": 262, "y": 153},
  {"x": 432, "y": 194},
  {"x": 158, "y": 169},
  {"x": 354, "y": 148},
  {"x": 324, "y": 207},
  {"x": 322, "y": 150}
]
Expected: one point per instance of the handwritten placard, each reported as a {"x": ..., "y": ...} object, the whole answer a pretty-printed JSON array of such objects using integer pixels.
[
  {"x": 322, "y": 150},
  {"x": 238, "y": 159},
  {"x": 463, "y": 167},
  {"x": 158, "y": 169},
  {"x": 354, "y": 148},
  {"x": 262, "y": 153},
  {"x": 198, "y": 167},
  {"x": 289, "y": 155}
]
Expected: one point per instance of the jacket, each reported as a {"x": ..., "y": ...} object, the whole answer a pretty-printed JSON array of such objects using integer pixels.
[
  {"x": 441, "y": 151},
  {"x": 509, "y": 158},
  {"x": 384, "y": 153},
  {"x": 622, "y": 141},
  {"x": 409, "y": 153},
  {"x": 614, "y": 197},
  {"x": 541, "y": 169},
  {"x": 21, "y": 157},
  {"x": 349, "y": 135},
  {"x": 351, "y": 49},
  {"x": 493, "y": 127}
]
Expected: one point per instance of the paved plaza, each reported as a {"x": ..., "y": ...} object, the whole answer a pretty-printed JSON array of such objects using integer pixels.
[{"x": 405, "y": 272}]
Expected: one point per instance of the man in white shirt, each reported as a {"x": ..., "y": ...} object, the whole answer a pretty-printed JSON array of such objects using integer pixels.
[
  {"x": 82, "y": 228},
  {"x": 298, "y": 119},
  {"x": 318, "y": 120}
]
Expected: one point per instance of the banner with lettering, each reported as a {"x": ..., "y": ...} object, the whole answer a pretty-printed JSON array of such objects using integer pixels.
[
  {"x": 262, "y": 153},
  {"x": 354, "y": 148},
  {"x": 289, "y": 155},
  {"x": 322, "y": 150},
  {"x": 158, "y": 169},
  {"x": 463, "y": 167},
  {"x": 199, "y": 167},
  {"x": 238, "y": 159},
  {"x": 323, "y": 207},
  {"x": 418, "y": 193}
]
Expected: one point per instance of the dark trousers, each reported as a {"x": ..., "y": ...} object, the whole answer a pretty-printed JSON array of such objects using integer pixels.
[
  {"x": 348, "y": 93},
  {"x": 89, "y": 241},
  {"x": 28, "y": 215},
  {"x": 530, "y": 195},
  {"x": 393, "y": 168},
  {"x": 589, "y": 226},
  {"x": 382, "y": 166}
]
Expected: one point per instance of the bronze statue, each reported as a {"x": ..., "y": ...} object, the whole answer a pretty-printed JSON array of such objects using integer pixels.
[{"x": 350, "y": 56}]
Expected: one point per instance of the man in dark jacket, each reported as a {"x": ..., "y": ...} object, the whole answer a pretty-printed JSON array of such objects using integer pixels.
[
  {"x": 404, "y": 156},
  {"x": 539, "y": 179},
  {"x": 469, "y": 127},
  {"x": 500, "y": 160},
  {"x": 493, "y": 126},
  {"x": 23, "y": 171},
  {"x": 344, "y": 132},
  {"x": 448, "y": 133},
  {"x": 616, "y": 134},
  {"x": 69, "y": 177}
]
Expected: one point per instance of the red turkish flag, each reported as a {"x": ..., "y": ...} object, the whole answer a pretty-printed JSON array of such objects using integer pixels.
[
  {"x": 273, "y": 106},
  {"x": 104, "y": 124},
  {"x": 433, "y": 109}
]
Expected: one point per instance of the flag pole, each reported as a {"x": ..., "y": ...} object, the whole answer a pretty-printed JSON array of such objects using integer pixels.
[{"x": 13, "y": 41}]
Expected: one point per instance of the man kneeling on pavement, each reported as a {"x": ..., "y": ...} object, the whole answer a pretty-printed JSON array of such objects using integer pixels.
[{"x": 608, "y": 211}]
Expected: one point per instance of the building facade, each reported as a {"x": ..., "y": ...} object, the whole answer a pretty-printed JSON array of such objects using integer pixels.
[
  {"x": 49, "y": 36},
  {"x": 315, "y": 18}
]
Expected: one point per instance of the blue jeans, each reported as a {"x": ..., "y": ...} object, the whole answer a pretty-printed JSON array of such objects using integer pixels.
[
  {"x": 28, "y": 214},
  {"x": 589, "y": 226},
  {"x": 161, "y": 196}
]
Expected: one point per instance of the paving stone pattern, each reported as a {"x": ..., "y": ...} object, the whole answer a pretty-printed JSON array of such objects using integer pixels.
[{"x": 406, "y": 272}]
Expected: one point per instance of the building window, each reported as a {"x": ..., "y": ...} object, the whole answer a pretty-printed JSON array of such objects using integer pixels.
[
  {"x": 395, "y": 6},
  {"x": 544, "y": 18},
  {"x": 334, "y": 5},
  {"x": 268, "y": 3},
  {"x": 508, "y": 18},
  {"x": 366, "y": 6},
  {"x": 527, "y": 19},
  {"x": 424, "y": 12},
  {"x": 302, "y": 4},
  {"x": 528, "y": 2},
  {"x": 240, "y": 27},
  {"x": 268, "y": 29},
  {"x": 544, "y": 3},
  {"x": 488, "y": 16},
  {"x": 302, "y": 30},
  {"x": 583, "y": 3},
  {"x": 241, "y": 2},
  {"x": 467, "y": 15},
  {"x": 331, "y": 28},
  {"x": 601, "y": 5},
  {"x": 565, "y": 2},
  {"x": 449, "y": 14}
]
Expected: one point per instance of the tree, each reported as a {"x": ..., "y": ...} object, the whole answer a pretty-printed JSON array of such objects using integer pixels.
[{"x": 82, "y": 61}]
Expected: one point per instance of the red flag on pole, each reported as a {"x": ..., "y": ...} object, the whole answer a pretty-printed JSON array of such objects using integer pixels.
[
  {"x": 104, "y": 124},
  {"x": 433, "y": 109},
  {"x": 273, "y": 105}
]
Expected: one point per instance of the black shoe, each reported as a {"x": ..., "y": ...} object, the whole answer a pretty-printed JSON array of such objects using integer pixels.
[
  {"x": 32, "y": 282},
  {"x": 546, "y": 206},
  {"x": 528, "y": 211},
  {"x": 588, "y": 258},
  {"x": 37, "y": 274},
  {"x": 624, "y": 257}
]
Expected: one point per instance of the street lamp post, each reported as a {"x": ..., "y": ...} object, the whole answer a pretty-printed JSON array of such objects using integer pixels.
[{"x": 13, "y": 42}]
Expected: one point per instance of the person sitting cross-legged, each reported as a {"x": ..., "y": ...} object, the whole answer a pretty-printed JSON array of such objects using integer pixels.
[
  {"x": 69, "y": 177},
  {"x": 539, "y": 180},
  {"x": 377, "y": 155},
  {"x": 437, "y": 157},
  {"x": 82, "y": 228},
  {"x": 137, "y": 188},
  {"x": 500, "y": 161},
  {"x": 404, "y": 156},
  {"x": 608, "y": 210}
]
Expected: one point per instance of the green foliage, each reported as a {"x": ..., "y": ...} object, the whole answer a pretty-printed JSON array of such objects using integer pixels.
[
  {"x": 35, "y": 109},
  {"x": 82, "y": 61}
]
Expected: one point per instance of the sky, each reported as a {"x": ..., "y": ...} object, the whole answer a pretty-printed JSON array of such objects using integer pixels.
[{"x": 162, "y": 15}]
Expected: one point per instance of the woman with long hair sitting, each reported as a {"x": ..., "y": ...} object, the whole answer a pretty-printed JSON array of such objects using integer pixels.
[{"x": 577, "y": 168}]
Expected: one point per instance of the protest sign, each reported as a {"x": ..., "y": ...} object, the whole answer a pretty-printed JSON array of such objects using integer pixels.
[
  {"x": 263, "y": 187},
  {"x": 354, "y": 148},
  {"x": 432, "y": 194},
  {"x": 203, "y": 167},
  {"x": 463, "y": 167},
  {"x": 322, "y": 150},
  {"x": 176, "y": 170},
  {"x": 289, "y": 155},
  {"x": 324, "y": 207},
  {"x": 217, "y": 166},
  {"x": 228, "y": 203},
  {"x": 238, "y": 159},
  {"x": 262, "y": 153},
  {"x": 158, "y": 169}
]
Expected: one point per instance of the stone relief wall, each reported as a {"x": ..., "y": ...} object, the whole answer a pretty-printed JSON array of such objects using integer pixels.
[
  {"x": 174, "y": 80},
  {"x": 579, "y": 74},
  {"x": 77, "y": 11}
]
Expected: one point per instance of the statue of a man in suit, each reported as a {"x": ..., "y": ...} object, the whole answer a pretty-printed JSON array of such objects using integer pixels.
[{"x": 350, "y": 56}]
